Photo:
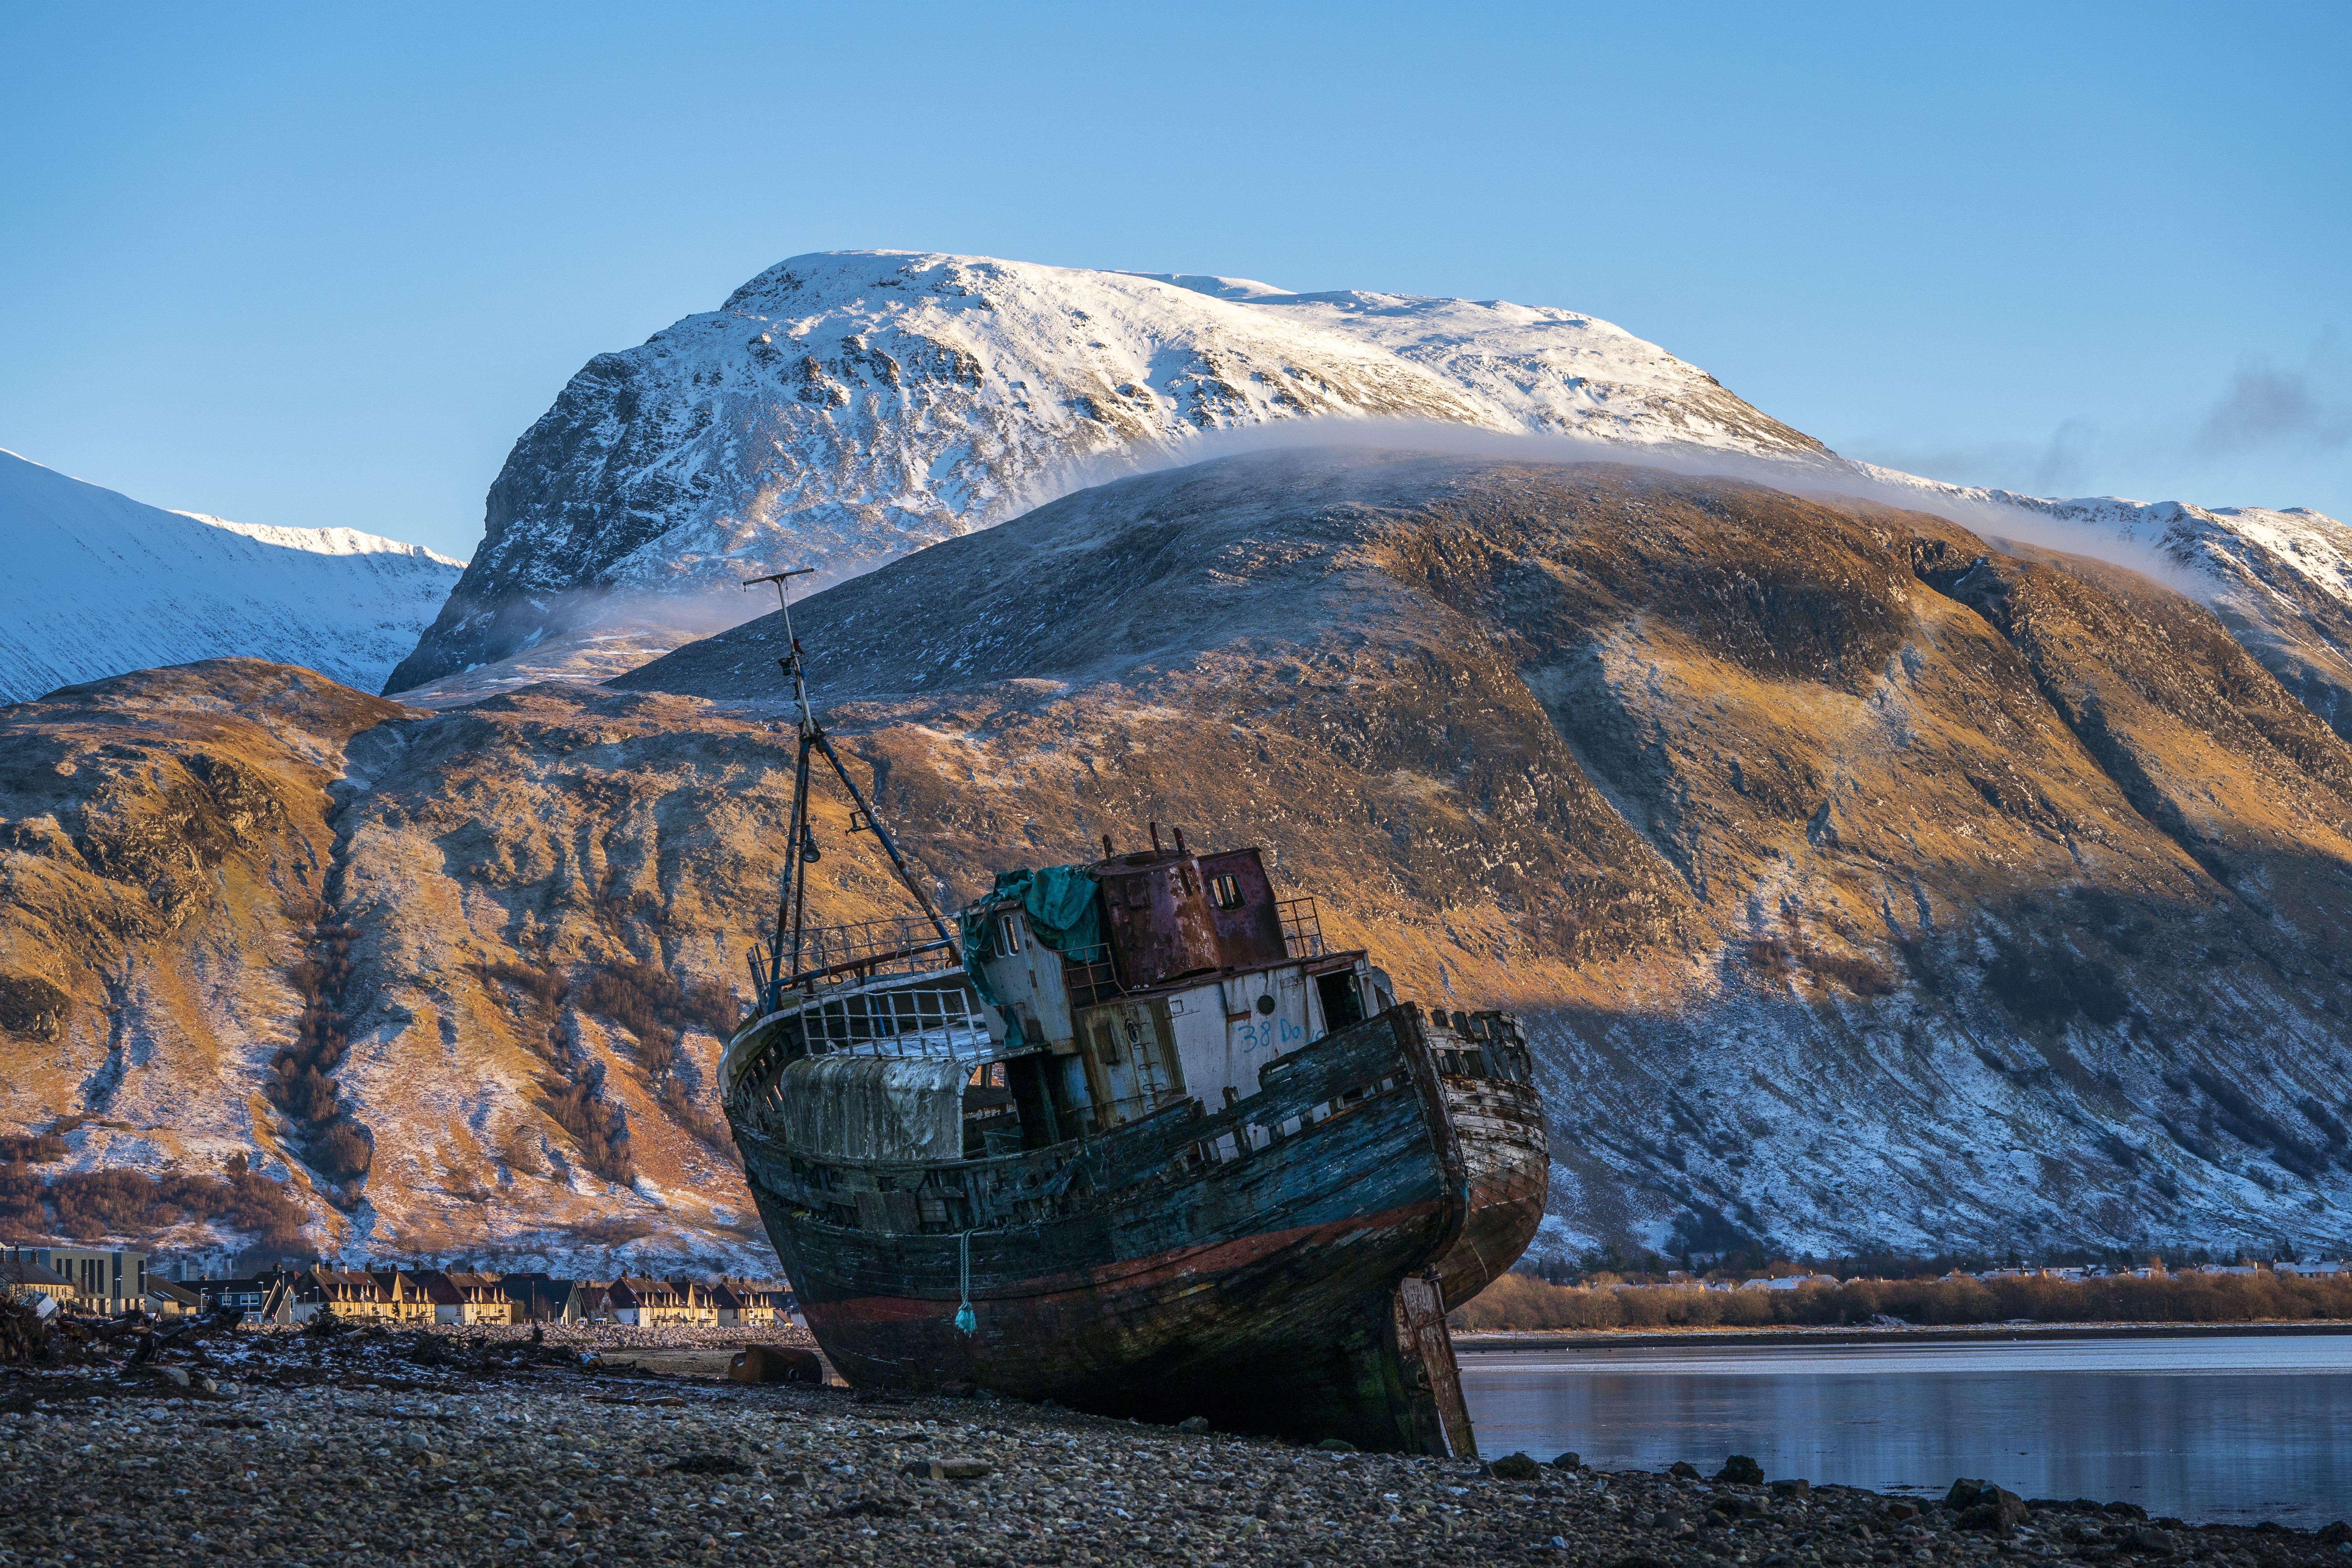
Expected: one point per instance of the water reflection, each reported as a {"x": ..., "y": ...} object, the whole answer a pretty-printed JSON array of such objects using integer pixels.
[{"x": 2228, "y": 1430}]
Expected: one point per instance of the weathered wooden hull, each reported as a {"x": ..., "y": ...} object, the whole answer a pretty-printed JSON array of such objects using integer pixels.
[
  {"x": 1184, "y": 1265},
  {"x": 1499, "y": 1123}
]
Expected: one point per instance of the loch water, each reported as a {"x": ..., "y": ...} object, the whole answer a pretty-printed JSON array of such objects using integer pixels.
[{"x": 2219, "y": 1430}]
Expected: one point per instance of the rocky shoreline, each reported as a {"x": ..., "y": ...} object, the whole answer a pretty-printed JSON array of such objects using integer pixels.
[{"x": 456, "y": 1446}]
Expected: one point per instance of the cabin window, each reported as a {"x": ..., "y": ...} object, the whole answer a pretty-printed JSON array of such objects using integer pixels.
[
  {"x": 1008, "y": 935},
  {"x": 1226, "y": 893}
]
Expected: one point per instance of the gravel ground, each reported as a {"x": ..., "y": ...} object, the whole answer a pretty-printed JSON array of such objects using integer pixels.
[{"x": 468, "y": 1447}]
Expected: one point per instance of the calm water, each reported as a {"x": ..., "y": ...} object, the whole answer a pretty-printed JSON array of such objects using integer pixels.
[{"x": 2210, "y": 1430}]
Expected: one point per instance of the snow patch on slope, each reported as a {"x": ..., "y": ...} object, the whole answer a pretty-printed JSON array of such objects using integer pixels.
[{"x": 99, "y": 584}]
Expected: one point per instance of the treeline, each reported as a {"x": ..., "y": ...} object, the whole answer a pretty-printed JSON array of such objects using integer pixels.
[
  {"x": 1522, "y": 1301},
  {"x": 301, "y": 1082},
  {"x": 89, "y": 1205}
]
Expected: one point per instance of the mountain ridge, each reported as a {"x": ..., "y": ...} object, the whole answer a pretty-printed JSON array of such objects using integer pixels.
[{"x": 100, "y": 584}]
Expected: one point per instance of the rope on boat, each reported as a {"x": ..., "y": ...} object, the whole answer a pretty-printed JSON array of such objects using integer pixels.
[{"x": 965, "y": 1322}]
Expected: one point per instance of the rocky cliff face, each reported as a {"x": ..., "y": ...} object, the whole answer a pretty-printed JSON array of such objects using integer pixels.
[
  {"x": 1862, "y": 883},
  {"x": 840, "y": 409}
]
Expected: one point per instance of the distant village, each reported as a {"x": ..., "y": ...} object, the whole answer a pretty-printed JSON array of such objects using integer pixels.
[{"x": 114, "y": 1282}]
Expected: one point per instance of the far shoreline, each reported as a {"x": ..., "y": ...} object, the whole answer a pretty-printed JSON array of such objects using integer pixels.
[{"x": 1475, "y": 1342}]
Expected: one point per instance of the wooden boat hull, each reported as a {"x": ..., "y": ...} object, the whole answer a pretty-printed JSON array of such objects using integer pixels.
[
  {"x": 1248, "y": 1266},
  {"x": 1508, "y": 1157}
]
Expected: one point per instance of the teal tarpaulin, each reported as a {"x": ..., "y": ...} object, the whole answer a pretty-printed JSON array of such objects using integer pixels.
[{"x": 1059, "y": 901}]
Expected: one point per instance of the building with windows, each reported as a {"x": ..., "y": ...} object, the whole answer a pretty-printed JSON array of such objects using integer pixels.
[
  {"x": 467, "y": 1297},
  {"x": 370, "y": 1294},
  {"x": 102, "y": 1281},
  {"x": 544, "y": 1299},
  {"x": 759, "y": 1302},
  {"x": 646, "y": 1302},
  {"x": 169, "y": 1298},
  {"x": 268, "y": 1294},
  {"x": 22, "y": 1278}
]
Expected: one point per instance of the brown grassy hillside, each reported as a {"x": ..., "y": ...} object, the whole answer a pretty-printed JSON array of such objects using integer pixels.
[{"x": 1862, "y": 885}]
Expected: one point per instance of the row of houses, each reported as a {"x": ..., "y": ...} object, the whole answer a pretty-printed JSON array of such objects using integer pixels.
[
  {"x": 386, "y": 1293},
  {"x": 398, "y": 1296}
]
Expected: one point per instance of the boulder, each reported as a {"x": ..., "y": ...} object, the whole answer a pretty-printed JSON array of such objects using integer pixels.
[
  {"x": 1684, "y": 1470},
  {"x": 776, "y": 1363},
  {"x": 1996, "y": 1508},
  {"x": 1567, "y": 1461},
  {"x": 1515, "y": 1468},
  {"x": 1740, "y": 1470}
]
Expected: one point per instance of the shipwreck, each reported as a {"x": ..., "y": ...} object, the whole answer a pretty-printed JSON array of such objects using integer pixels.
[{"x": 1127, "y": 1136}]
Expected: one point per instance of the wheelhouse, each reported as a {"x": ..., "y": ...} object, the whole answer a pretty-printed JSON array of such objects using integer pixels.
[{"x": 1197, "y": 978}]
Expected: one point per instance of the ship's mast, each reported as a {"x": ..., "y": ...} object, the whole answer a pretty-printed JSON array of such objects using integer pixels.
[{"x": 800, "y": 840}]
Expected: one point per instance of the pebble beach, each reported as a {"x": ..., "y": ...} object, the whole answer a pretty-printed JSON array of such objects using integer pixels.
[{"x": 461, "y": 1447}]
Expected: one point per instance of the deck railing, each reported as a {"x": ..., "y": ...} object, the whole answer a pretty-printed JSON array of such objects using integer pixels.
[
  {"x": 902, "y": 1021},
  {"x": 864, "y": 948}
]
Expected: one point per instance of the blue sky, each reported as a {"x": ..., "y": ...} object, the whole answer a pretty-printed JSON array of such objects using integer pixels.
[{"x": 308, "y": 266}]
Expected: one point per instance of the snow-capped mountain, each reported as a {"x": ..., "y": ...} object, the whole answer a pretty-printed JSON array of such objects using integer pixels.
[
  {"x": 842, "y": 408},
  {"x": 99, "y": 584}
]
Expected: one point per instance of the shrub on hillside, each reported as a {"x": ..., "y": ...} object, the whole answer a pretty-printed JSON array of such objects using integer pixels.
[
  {"x": 92, "y": 1204},
  {"x": 700, "y": 1124},
  {"x": 543, "y": 987},
  {"x": 20, "y": 1202},
  {"x": 654, "y": 1007},
  {"x": 344, "y": 1152},
  {"x": 1777, "y": 956},
  {"x": 600, "y": 1131}
]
